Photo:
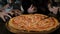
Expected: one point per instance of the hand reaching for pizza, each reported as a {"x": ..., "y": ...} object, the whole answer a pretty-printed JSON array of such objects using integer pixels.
[
  {"x": 54, "y": 10},
  {"x": 4, "y": 15},
  {"x": 31, "y": 9}
]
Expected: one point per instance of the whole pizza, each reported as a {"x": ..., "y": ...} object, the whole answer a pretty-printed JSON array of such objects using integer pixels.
[{"x": 32, "y": 23}]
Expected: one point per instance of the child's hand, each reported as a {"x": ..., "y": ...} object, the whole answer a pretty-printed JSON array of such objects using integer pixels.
[
  {"x": 54, "y": 10},
  {"x": 31, "y": 9},
  {"x": 3, "y": 14}
]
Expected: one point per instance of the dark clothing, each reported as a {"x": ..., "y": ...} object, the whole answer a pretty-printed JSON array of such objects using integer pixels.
[
  {"x": 26, "y": 4},
  {"x": 42, "y": 6},
  {"x": 4, "y": 2},
  {"x": 38, "y": 4},
  {"x": 16, "y": 6},
  {"x": 3, "y": 29}
]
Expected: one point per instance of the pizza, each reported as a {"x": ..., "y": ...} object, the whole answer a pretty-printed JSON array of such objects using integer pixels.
[{"x": 33, "y": 22}]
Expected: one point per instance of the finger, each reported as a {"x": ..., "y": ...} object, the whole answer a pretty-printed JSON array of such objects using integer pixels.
[
  {"x": 31, "y": 6},
  {"x": 19, "y": 13},
  {"x": 3, "y": 18},
  {"x": 49, "y": 5},
  {"x": 8, "y": 16},
  {"x": 11, "y": 13}
]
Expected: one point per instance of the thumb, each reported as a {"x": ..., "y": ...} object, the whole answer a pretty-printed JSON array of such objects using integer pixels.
[{"x": 31, "y": 6}]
